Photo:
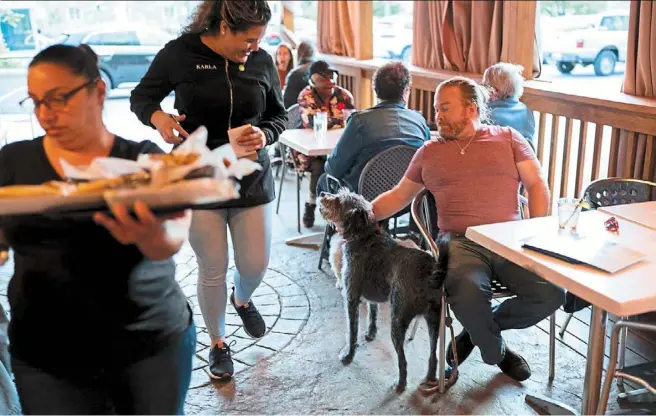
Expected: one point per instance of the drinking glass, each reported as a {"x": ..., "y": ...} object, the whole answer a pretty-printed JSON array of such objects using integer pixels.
[
  {"x": 568, "y": 213},
  {"x": 320, "y": 126}
]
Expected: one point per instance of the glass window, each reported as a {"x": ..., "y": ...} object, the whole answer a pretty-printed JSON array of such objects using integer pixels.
[
  {"x": 153, "y": 38},
  {"x": 124, "y": 38},
  {"x": 28, "y": 26},
  {"x": 392, "y": 28},
  {"x": 584, "y": 43},
  {"x": 305, "y": 19}
]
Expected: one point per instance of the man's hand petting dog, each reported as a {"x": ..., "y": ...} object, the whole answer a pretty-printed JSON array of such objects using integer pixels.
[{"x": 376, "y": 268}]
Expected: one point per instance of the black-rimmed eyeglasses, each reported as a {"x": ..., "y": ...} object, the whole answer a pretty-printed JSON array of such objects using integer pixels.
[{"x": 56, "y": 103}]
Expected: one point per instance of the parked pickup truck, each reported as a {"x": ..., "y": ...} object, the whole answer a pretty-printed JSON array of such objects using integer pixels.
[{"x": 599, "y": 40}]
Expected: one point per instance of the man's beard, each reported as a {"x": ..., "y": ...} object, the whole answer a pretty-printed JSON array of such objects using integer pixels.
[{"x": 452, "y": 130}]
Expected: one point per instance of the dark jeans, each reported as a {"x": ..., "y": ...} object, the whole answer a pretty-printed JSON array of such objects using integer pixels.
[
  {"x": 316, "y": 170},
  {"x": 155, "y": 385},
  {"x": 471, "y": 267},
  {"x": 331, "y": 188}
]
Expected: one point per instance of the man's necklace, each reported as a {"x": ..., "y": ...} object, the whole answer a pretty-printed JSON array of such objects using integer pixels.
[{"x": 462, "y": 149}]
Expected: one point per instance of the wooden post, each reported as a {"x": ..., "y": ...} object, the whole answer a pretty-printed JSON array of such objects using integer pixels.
[
  {"x": 287, "y": 15},
  {"x": 363, "y": 14},
  {"x": 519, "y": 19}
]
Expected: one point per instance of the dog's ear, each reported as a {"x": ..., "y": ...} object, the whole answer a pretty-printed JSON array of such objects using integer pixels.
[{"x": 356, "y": 221}]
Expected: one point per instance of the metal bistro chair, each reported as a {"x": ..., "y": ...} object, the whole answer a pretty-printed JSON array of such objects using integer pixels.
[
  {"x": 498, "y": 289},
  {"x": 381, "y": 173},
  {"x": 293, "y": 122},
  {"x": 420, "y": 210},
  {"x": 643, "y": 374},
  {"x": 605, "y": 193}
]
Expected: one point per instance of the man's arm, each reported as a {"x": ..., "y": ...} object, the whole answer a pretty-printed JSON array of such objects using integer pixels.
[
  {"x": 530, "y": 173},
  {"x": 396, "y": 199}
]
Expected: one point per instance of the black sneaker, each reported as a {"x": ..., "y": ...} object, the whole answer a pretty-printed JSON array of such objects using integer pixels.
[
  {"x": 253, "y": 323},
  {"x": 464, "y": 347},
  {"x": 308, "y": 215},
  {"x": 221, "y": 366},
  {"x": 515, "y": 366}
]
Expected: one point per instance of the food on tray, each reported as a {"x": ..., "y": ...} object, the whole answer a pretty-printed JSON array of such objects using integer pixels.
[
  {"x": 99, "y": 186},
  {"x": 191, "y": 175},
  {"x": 30, "y": 191},
  {"x": 175, "y": 159}
]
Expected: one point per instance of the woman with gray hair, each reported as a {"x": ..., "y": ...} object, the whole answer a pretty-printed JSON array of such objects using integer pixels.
[{"x": 506, "y": 85}]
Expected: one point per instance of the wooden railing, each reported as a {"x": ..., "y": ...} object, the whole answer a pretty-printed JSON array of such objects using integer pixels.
[{"x": 578, "y": 134}]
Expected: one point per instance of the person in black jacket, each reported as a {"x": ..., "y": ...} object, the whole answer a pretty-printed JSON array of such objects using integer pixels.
[
  {"x": 98, "y": 321},
  {"x": 222, "y": 80},
  {"x": 299, "y": 77}
]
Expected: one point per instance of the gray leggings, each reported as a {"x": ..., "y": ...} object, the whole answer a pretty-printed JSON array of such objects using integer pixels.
[{"x": 250, "y": 229}]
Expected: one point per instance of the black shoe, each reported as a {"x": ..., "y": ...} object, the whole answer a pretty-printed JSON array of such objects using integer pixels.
[
  {"x": 254, "y": 325},
  {"x": 221, "y": 366},
  {"x": 308, "y": 215},
  {"x": 464, "y": 347},
  {"x": 514, "y": 366}
]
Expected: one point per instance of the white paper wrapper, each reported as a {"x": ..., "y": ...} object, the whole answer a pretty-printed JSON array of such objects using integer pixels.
[
  {"x": 191, "y": 192},
  {"x": 196, "y": 143},
  {"x": 233, "y": 135},
  {"x": 103, "y": 167}
]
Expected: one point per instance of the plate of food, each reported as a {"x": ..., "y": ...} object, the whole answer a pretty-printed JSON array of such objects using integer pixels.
[{"x": 192, "y": 176}]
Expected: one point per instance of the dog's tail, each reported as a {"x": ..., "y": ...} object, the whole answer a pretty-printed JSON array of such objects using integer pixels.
[{"x": 439, "y": 272}]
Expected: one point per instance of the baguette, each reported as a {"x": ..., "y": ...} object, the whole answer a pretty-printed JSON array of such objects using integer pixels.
[
  {"x": 26, "y": 191},
  {"x": 173, "y": 159},
  {"x": 101, "y": 185}
]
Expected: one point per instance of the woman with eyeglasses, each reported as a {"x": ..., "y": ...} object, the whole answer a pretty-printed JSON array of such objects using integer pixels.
[
  {"x": 322, "y": 95},
  {"x": 98, "y": 322}
]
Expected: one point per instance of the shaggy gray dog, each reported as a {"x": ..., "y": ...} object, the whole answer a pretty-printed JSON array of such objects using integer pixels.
[
  {"x": 335, "y": 259},
  {"x": 375, "y": 267}
]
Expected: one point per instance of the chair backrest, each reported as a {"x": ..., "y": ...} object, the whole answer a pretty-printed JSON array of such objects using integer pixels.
[
  {"x": 618, "y": 191},
  {"x": 294, "y": 117},
  {"x": 424, "y": 214},
  {"x": 421, "y": 214},
  {"x": 384, "y": 171}
]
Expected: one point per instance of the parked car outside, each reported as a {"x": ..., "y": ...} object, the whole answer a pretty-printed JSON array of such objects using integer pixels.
[
  {"x": 392, "y": 38},
  {"x": 124, "y": 54},
  {"x": 599, "y": 40}
]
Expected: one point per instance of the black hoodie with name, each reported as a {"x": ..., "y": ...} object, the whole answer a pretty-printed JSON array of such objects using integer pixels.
[{"x": 218, "y": 94}]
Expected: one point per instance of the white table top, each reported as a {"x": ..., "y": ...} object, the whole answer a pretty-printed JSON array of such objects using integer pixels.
[
  {"x": 630, "y": 291},
  {"x": 302, "y": 140},
  {"x": 643, "y": 213}
]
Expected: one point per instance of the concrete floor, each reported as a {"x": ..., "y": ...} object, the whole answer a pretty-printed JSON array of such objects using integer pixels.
[
  {"x": 306, "y": 376},
  {"x": 294, "y": 369}
]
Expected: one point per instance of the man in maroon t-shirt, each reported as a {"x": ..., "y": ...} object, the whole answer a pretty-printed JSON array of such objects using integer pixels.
[{"x": 474, "y": 172}]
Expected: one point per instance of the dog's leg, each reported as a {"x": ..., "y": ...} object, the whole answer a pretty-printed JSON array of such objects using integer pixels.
[
  {"x": 433, "y": 322},
  {"x": 400, "y": 326},
  {"x": 352, "y": 316},
  {"x": 336, "y": 258},
  {"x": 373, "y": 317}
]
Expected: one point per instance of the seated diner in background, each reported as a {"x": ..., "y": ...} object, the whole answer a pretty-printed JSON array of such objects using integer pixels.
[
  {"x": 369, "y": 132},
  {"x": 322, "y": 95},
  {"x": 506, "y": 86}
]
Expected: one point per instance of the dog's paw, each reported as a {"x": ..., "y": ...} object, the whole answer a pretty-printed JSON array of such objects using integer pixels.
[
  {"x": 338, "y": 284},
  {"x": 399, "y": 387},
  {"x": 346, "y": 355},
  {"x": 370, "y": 335}
]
